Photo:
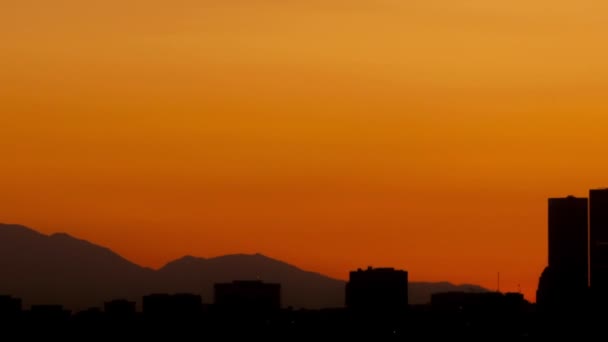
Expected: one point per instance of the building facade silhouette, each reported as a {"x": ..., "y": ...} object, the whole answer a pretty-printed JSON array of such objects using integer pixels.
[
  {"x": 598, "y": 244},
  {"x": 377, "y": 290},
  {"x": 120, "y": 308},
  {"x": 479, "y": 302},
  {"x": 565, "y": 281},
  {"x": 49, "y": 315},
  {"x": 249, "y": 296},
  {"x": 10, "y": 307},
  {"x": 172, "y": 306},
  {"x": 569, "y": 238}
]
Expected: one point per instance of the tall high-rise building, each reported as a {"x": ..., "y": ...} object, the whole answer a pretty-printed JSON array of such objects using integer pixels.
[
  {"x": 564, "y": 283},
  {"x": 568, "y": 238},
  {"x": 598, "y": 240}
]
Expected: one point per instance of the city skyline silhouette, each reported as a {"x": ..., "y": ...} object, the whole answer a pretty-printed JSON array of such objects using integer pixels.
[
  {"x": 574, "y": 226},
  {"x": 216, "y": 128},
  {"x": 571, "y": 296},
  {"x": 160, "y": 147}
]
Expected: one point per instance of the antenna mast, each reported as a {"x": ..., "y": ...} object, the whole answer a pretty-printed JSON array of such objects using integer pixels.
[{"x": 498, "y": 283}]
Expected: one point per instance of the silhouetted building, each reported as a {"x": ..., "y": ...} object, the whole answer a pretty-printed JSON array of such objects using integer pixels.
[
  {"x": 120, "y": 308},
  {"x": 515, "y": 302},
  {"x": 10, "y": 307},
  {"x": 465, "y": 301},
  {"x": 598, "y": 244},
  {"x": 248, "y": 296},
  {"x": 89, "y": 318},
  {"x": 158, "y": 304},
  {"x": 492, "y": 315},
  {"x": 169, "y": 306},
  {"x": 377, "y": 290},
  {"x": 187, "y": 305},
  {"x": 49, "y": 314},
  {"x": 564, "y": 283},
  {"x": 479, "y": 303},
  {"x": 569, "y": 238}
]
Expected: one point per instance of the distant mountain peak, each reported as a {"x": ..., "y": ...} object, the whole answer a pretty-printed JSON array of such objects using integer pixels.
[
  {"x": 256, "y": 257},
  {"x": 253, "y": 256},
  {"x": 63, "y": 236},
  {"x": 187, "y": 259},
  {"x": 243, "y": 255},
  {"x": 184, "y": 261},
  {"x": 191, "y": 257},
  {"x": 18, "y": 229}
]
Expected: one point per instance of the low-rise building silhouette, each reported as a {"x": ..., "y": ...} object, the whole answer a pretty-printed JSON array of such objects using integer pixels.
[
  {"x": 10, "y": 307},
  {"x": 377, "y": 290},
  {"x": 157, "y": 304},
  {"x": 176, "y": 306},
  {"x": 49, "y": 314},
  {"x": 187, "y": 304},
  {"x": 479, "y": 303},
  {"x": 248, "y": 296},
  {"x": 481, "y": 314},
  {"x": 120, "y": 308}
]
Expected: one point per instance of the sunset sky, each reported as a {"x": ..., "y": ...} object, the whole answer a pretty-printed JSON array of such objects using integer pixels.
[{"x": 425, "y": 135}]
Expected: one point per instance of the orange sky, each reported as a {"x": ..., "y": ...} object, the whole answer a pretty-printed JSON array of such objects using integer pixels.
[{"x": 332, "y": 134}]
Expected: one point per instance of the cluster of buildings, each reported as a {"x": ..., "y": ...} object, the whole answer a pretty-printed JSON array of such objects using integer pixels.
[
  {"x": 576, "y": 276},
  {"x": 372, "y": 291},
  {"x": 377, "y": 307},
  {"x": 237, "y": 297}
]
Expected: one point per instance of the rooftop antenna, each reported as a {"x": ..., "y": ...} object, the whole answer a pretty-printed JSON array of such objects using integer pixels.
[{"x": 498, "y": 283}]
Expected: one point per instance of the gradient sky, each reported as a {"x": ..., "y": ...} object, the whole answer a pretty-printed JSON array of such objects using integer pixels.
[{"x": 332, "y": 134}]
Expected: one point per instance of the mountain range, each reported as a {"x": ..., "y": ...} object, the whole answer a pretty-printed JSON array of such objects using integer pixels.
[{"x": 61, "y": 269}]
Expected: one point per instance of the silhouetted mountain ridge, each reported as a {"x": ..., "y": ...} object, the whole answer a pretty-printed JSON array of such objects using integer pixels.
[
  {"x": 8, "y": 229},
  {"x": 59, "y": 268},
  {"x": 300, "y": 288}
]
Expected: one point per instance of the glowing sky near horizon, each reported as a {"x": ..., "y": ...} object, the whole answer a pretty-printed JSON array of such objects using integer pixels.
[{"x": 423, "y": 135}]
